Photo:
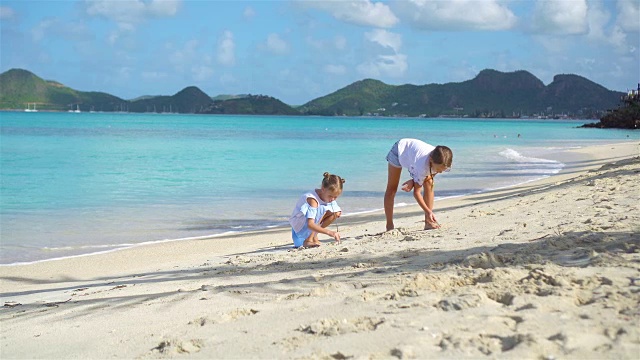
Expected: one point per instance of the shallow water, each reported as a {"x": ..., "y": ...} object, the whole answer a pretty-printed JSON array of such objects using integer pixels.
[{"x": 79, "y": 183}]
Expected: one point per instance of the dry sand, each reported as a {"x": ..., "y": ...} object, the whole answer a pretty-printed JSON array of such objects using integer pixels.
[{"x": 546, "y": 270}]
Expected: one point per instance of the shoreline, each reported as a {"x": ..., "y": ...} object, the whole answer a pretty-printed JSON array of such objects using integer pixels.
[
  {"x": 546, "y": 118},
  {"x": 564, "y": 156},
  {"x": 547, "y": 269}
]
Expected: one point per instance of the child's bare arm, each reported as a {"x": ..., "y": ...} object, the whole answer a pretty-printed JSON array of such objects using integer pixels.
[{"x": 417, "y": 194}]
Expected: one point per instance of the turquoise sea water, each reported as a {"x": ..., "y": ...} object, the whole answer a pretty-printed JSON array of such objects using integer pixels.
[{"x": 80, "y": 183}]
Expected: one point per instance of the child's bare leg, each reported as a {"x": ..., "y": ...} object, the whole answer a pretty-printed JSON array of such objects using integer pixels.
[
  {"x": 327, "y": 219},
  {"x": 393, "y": 179},
  {"x": 312, "y": 240}
]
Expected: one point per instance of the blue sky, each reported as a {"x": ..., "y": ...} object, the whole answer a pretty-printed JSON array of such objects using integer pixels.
[{"x": 297, "y": 51}]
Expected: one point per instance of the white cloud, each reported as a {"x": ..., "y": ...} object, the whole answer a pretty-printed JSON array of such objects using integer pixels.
[
  {"x": 249, "y": 13},
  {"x": 335, "y": 69},
  {"x": 276, "y": 45},
  {"x": 618, "y": 38},
  {"x": 226, "y": 49},
  {"x": 162, "y": 8},
  {"x": 384, "y": 65},
  {"x": 390, "y": 65},
  {"x": 456, "y": 15},
  {"x": 598, "y": 19},
  {"x": 629, "y": 15},
  {"x": 560, "y": 17},
  {"x": 6, "y": 13},
  {"x": 358, "y": 12},
  {"x": 385, "y": 39}
]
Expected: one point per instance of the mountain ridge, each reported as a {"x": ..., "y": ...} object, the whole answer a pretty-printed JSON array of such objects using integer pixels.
[{"x": 491, "y": 93}]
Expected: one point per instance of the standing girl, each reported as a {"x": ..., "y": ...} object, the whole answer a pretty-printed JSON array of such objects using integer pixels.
[
  {"x": 423, "y": 162},
  {"x": 314, "y": 211}
]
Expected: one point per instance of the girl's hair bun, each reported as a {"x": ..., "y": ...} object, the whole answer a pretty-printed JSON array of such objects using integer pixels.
[{"x": 332, "y": 182}]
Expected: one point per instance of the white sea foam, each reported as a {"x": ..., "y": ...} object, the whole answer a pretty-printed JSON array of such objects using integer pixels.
[{"x": 532, "y": 165}]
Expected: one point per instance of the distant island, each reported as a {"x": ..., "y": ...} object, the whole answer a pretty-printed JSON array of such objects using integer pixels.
[{"x": 491, "y": 94}]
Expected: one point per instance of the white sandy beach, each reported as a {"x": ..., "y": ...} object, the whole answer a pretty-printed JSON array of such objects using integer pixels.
[{"x": 545, "y": 270}]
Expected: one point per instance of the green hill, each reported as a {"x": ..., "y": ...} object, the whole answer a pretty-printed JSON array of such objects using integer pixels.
[
  {"x": 189, "y": 100},
  {"x": 491, "y": 93},
  {"x": 18, "y": 88},
  {"x": 228, "y": 97},
  {"x": 21, "y": 88},
  {"x": 251, "y": 105}
]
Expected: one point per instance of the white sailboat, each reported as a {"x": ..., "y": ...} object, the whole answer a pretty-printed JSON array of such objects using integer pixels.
[
  {"x": 77, "y": 110},
  {"x": 29, "y": 109}
]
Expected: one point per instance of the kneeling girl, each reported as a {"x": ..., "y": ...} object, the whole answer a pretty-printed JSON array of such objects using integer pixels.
[{"x": 314, "y": 211}]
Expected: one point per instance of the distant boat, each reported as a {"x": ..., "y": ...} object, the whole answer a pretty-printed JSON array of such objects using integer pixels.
[
  {"x": 77, "y": 110},
  {"x": 29, "y": 109}
]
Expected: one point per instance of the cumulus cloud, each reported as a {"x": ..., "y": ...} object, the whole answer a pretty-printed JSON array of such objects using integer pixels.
[
  {"x": 384, "y": 65},
  {"x": 391, "y": 62},
  {"x": 7, "y": 13},
  {"x": 357, "y": 12},
  {"x": 560, "y": 17},
  {"x": 456, "y": 15},
  {"x": 599, "y": 32},
  {"x": 276, "y": 44},
  {"x": 629, "y": 15},
  {"x": 226, "y": 49},
  {"x": 385, "y": 39}
]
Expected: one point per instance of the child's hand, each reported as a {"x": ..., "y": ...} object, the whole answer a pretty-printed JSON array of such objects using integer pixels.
[
  {"x": 336, "y": 237},
  {"x": 432, "y": 217},
  {"x": 408, "y": 185}
]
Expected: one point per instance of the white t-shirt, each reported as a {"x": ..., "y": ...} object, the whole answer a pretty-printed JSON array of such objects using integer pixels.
[{"x": 414, "y": 155}]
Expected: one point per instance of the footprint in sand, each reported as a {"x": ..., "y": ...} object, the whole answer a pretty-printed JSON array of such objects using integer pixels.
[
  {"x": 175, "y": 346},
  {"x": 483, "y": 261},
  {"x": 333, "y": 327},
  {"x": 225, "y": 317},
  {"x": 460, "y": 302}
]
